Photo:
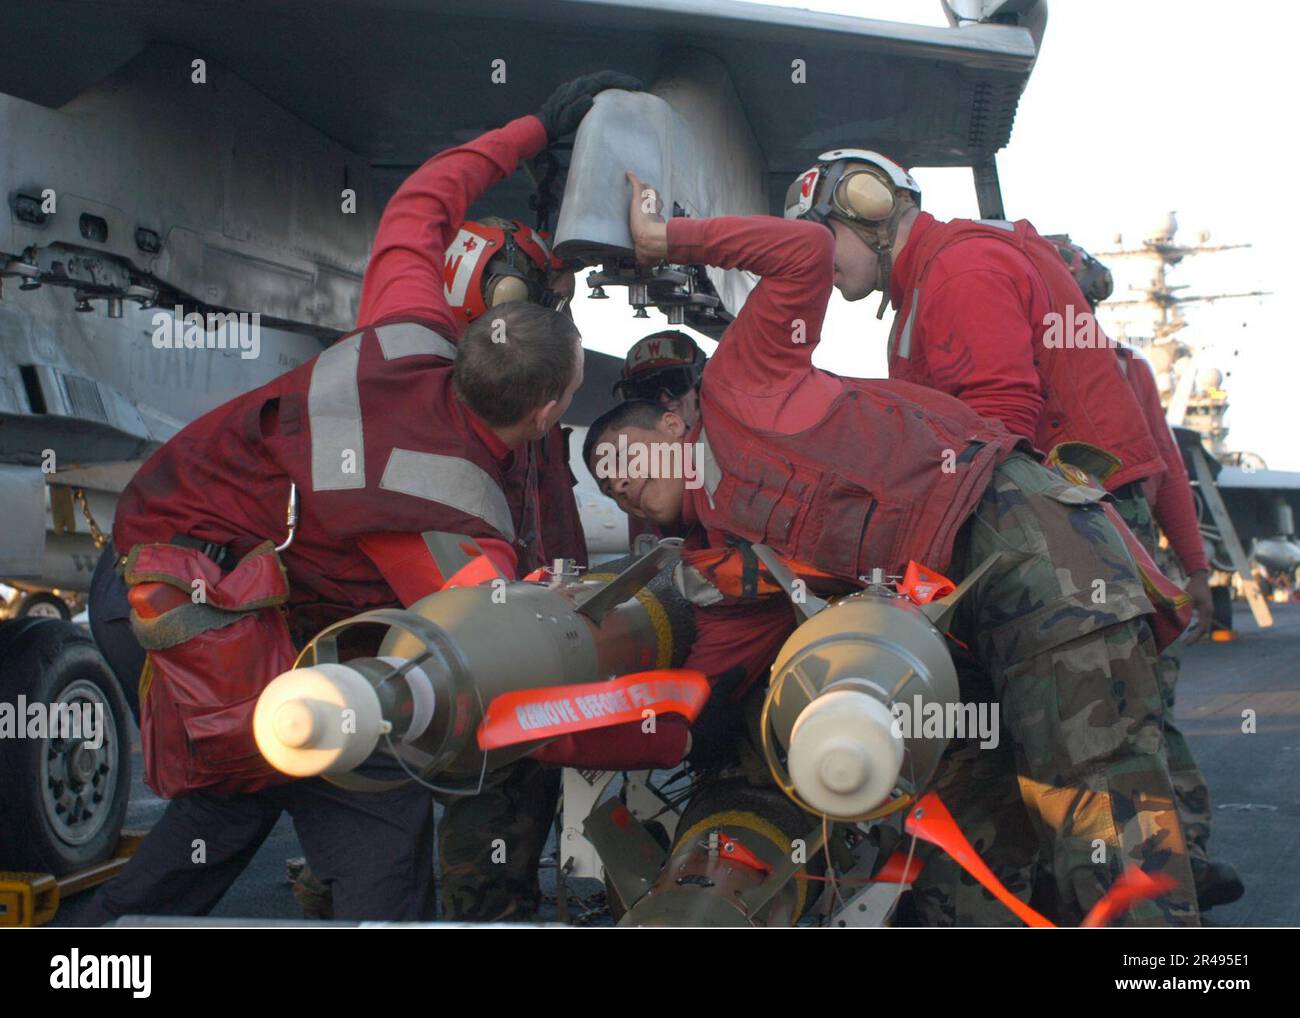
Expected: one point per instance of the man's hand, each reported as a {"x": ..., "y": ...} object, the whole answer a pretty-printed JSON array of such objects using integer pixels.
[
  {"x": 568, "y": 104},
  {"x": 649, "y": 232},
  {"x": 1198, "y": 586}
]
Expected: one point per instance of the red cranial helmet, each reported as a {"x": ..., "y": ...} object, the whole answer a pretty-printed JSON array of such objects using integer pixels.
[
  {"x": 493, "y": 261},
  {"x": 668, "y": 360},
  {"x": 1093, "y": 277}
]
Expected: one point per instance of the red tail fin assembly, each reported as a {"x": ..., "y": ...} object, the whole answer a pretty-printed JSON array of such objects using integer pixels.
[{"x": 930, "y": 821}]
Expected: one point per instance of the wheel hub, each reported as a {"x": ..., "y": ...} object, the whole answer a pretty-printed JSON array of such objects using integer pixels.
[
  {"x": 79, "y": 771},
  {"x": 82, "y": 765}
]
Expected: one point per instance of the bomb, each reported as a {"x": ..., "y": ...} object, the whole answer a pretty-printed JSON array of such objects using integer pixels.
[
  {"x": 841, "y": 689},
  {"x": 512, "y": 653},
  {"x": 733, "y": 862}
]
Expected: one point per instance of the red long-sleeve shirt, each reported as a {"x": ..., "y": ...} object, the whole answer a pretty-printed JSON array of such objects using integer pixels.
[
  {"x": 763, "y": 375},
  {"x": 762, "y": 372},
  {"x": 1170, "y": 494},
  {"x": 405, "y": 280},
  {"x": 225, "y": 477},
  {"x": 405, "y": 276},
  {"x": 972, "y": 337}
]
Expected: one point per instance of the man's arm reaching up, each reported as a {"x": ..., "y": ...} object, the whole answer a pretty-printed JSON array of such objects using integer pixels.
[{"x": 405, "y": 274}]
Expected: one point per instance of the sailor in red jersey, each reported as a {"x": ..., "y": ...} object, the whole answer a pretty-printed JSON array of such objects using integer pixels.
[
  {"x": 1217, "y": 882},
  {"x": 412, "y": 423},
  {"x": 494, "y": 261},
  {"x": 988, "y": 311},
  {"x": 1165, "y": 499},
  {"x": 840, "y": 476},
  {"x": 665, "y": 367},
  {"x": 996, "y": 315}
]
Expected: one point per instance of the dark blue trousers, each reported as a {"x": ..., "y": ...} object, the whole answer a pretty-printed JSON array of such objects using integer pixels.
[{"x": 373, "y": 849}]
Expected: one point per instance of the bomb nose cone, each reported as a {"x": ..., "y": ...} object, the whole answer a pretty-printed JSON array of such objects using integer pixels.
[
  {"x": 295, "y": 723},
  {"x": 845, "y": 765},
  {"x": 319, "y": 720},
  {"x": 844, "y": 757}
]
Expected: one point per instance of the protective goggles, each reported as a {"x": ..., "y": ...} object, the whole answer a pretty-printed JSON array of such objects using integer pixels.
[
  {"x": 801, "y": 199},
  {"x": 677, "y": 382},
  {"x": 554, "y": 301}
]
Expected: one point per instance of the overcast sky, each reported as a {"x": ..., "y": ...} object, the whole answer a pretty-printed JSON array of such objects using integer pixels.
[{"x": 1134, "y": 109}]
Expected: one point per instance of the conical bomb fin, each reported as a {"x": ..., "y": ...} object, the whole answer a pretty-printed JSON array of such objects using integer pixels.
[
  {"x": 805, "y": 604},
  {"x": 940, "y": 612},
  {"x": 630, "y": 580}
]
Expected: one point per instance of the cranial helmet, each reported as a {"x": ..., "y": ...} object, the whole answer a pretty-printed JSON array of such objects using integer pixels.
[
  {"x": 1093, "y": 277},
  {"x": 493, "y": 261},
  {"x": 863, "y": 189},
  {"x": 663, "y": 360}
]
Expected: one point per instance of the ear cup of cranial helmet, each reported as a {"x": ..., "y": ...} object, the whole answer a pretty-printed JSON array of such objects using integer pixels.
[
  {"x": 865, "y": 196},
  {"x": 503, "y": 289}
]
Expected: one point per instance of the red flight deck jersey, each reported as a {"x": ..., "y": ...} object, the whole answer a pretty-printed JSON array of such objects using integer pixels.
[
  {"x": 975, "y": 303},
  {"x": 370, "y": 430},
  {"x": 841, "y": 474},
  {"x": 411, "y": 243},
  {"x": 1169, "y": 494},
  {"x": 726, "y": 636},
  {"x": 845, "y": 475}
]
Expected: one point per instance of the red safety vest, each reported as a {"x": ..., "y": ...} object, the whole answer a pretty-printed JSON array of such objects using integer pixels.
[
  {"x": 376, "y": 441},
  {"x": 887, "y": 476},
  {"x": 1086, "y": 397}
]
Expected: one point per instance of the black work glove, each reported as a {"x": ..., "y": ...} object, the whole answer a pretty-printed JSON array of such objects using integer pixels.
[{"x": 569, "y": 103}]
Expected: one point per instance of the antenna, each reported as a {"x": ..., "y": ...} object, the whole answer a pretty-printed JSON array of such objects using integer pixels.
[{"x": 1191, "y": 401}]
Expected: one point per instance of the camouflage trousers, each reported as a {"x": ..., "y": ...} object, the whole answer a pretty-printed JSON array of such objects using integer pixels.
[
  {"x": 1078, "y": 784},
  {"x": 1190, "y": 790},
  {"x": 490, "y": 844}
]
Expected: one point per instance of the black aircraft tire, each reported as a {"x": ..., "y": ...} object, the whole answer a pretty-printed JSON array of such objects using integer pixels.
[{"x": 62, "y": 802}]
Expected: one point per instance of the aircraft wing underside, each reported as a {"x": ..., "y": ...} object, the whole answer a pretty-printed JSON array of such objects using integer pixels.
[{"x": 395, "y": 80}]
